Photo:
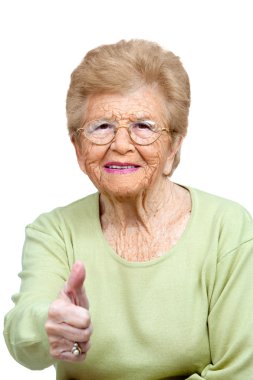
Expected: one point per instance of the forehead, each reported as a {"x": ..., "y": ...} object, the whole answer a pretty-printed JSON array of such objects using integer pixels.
[{"x": 145, "y": 102}]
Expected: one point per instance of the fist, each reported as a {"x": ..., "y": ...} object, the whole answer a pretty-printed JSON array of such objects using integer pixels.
[{"x": 68, "y": 325}]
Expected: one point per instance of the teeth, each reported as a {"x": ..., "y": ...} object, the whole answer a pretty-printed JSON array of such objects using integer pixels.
[{"x": 121, "y": 167}]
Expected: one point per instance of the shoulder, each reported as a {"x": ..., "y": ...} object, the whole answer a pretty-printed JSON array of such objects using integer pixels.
[
  {"x": 230, "y": 221},
  {"x": 219, "y": 205},
  {"x": 78, "y": 211}
]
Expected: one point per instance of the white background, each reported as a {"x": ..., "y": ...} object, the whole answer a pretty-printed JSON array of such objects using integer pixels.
[{"x": 43, "y": 41}]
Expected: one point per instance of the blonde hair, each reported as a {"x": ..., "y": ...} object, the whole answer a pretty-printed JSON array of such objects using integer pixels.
[{"x": 125, "y": 66}]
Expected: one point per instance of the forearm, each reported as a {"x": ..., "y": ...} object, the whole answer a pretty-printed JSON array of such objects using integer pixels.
[
  {"x": 25, "y": 335},
  {"x": 44, "y": 271}
]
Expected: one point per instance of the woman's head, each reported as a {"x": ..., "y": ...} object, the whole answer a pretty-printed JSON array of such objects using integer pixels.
[
  {"x": 138, "y": 155},
  {"x": 124, "y": 67}
]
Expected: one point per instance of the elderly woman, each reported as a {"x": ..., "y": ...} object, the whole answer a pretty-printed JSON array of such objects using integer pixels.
[{"x": 146, "y": 279}]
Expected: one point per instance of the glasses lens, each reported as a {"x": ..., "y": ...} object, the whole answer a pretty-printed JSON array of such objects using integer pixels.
[
  {"x": 144, "y": 132},
  {"x": 100, "y": 131}
]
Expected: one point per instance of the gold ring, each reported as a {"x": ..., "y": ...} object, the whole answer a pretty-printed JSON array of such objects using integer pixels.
[{"x": 76, "y": 350}]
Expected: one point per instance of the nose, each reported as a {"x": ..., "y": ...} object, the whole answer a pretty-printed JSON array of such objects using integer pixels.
[{"x": 122, "y": 142}]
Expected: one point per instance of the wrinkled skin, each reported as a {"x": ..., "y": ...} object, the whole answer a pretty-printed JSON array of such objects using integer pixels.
[
  {"x": 154, "y": 159},
  {"x": 143, "y": 208},
  {"x": 68, "y": 318},
  {"x": 142, "y": 212}
]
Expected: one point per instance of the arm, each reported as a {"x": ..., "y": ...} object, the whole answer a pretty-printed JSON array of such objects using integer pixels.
[
  {"x": 44, "y": 271},
  {"x": 46, "y": 266},
  {"x": 230, "y": 321}
]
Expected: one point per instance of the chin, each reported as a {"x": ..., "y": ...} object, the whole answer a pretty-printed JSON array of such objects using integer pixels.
[
  {"x": 122, "y": 192},
  {"x": 124, "y": 186}
]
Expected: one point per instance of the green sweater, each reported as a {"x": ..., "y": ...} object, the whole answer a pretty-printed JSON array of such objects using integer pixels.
[{"x": 185, "y": 315}]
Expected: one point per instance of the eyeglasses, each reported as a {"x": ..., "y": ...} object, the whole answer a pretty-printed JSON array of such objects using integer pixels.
[{"x": 102, "y": 132}]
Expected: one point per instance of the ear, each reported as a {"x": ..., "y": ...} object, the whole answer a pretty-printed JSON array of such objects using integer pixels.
[
  {"x": 79, "y": 152},
  {"x": 175, "y": 147}
]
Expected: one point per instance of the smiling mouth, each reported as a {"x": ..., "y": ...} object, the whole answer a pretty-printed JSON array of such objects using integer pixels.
[
  {"x": 113, "y": 167},
  {"x": 121, "y": 167}
]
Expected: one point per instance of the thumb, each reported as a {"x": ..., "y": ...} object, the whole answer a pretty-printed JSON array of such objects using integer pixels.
[{"x": 74, "y": 289}]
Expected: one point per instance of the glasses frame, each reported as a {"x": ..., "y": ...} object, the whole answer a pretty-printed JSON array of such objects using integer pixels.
[{"x": 159, "y": 133}]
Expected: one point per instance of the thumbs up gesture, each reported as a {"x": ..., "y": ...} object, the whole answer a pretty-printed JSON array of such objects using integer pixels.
[{"x": 68, "y": 322}]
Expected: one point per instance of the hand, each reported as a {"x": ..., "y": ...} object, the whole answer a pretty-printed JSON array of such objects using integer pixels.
[{"x": 68, "y": 318}]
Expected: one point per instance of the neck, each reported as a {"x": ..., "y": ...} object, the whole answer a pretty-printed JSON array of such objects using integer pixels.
[{"x": 139, "y": 210}]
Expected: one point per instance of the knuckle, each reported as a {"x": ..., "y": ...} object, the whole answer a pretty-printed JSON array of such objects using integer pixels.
[
  {"x": 89, "y": 331},
  {"x": 84, "y": 336},
  {"x": 86, "y": 319},
  {"x": 87, "y": 346}
]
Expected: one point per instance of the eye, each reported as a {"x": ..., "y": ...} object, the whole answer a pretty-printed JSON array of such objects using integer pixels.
[
  {"x": 143, "y": 125},
  {"x": 99, "y": 126},
  {"x": 103, "y": 126}
]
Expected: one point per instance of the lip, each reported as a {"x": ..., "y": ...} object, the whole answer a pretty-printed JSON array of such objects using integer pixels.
[{"x": 116, "y": 167}]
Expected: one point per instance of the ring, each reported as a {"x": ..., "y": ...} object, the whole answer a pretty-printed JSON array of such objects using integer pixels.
[{"x": 76, "y": 350}]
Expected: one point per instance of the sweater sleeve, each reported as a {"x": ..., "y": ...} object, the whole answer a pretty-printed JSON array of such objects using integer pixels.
[
  {"x": 230, "y": 321},
  {"x": 45, "y": 268}
]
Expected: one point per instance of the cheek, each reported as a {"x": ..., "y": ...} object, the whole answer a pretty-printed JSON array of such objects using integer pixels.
[
  {"x": 156, "y": 157},
  {"x": 91, "y": 158}
]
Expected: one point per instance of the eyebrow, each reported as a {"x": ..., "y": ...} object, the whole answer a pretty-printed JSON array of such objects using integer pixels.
[
  {"x": 116, "y": 119},
  {"x": 138, "y": 115}
]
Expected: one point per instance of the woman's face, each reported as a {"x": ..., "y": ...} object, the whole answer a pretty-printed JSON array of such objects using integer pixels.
[{"x": 122, "y": 167}]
